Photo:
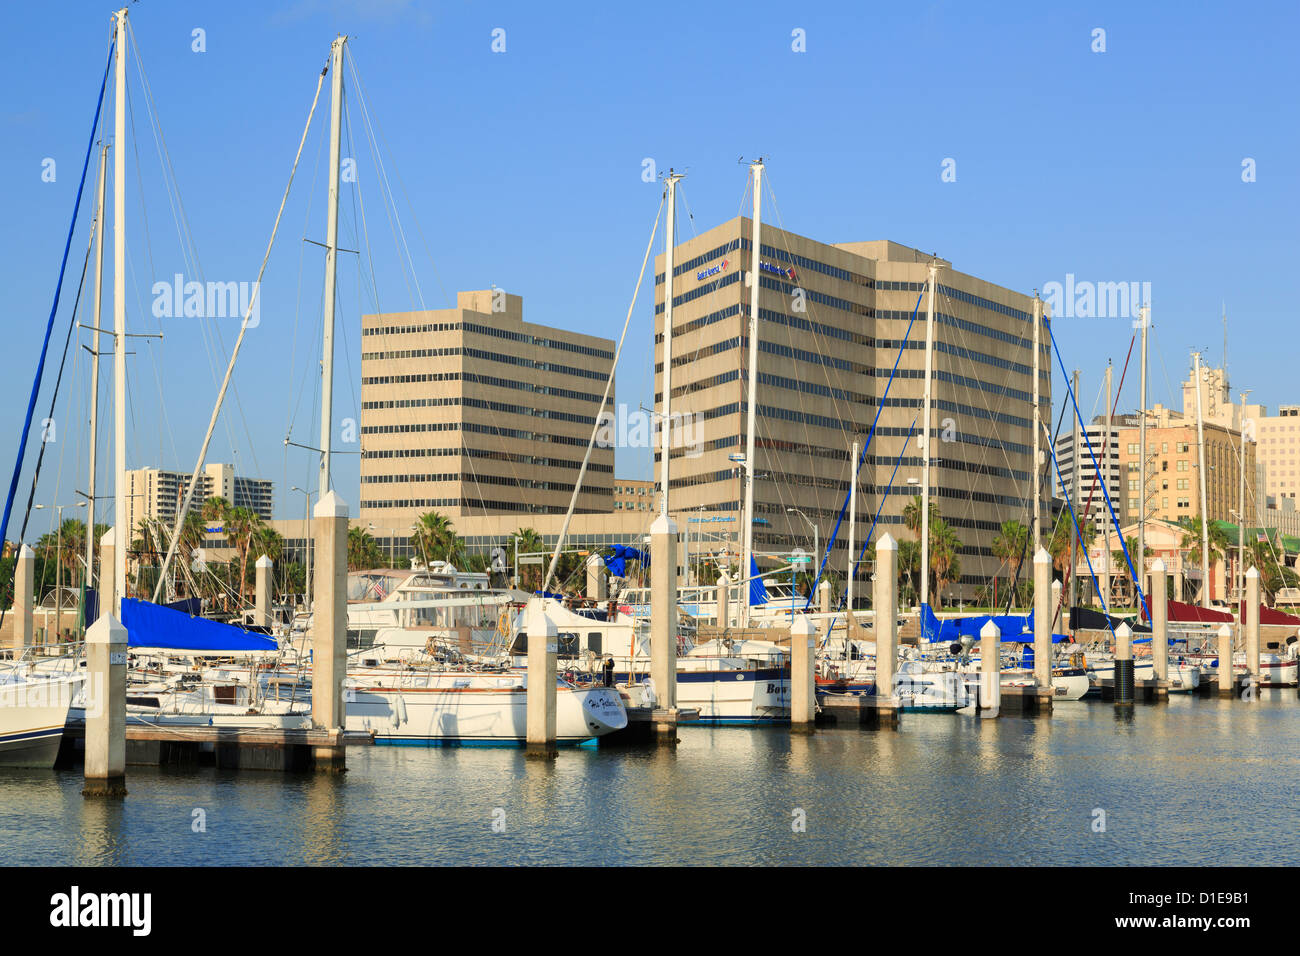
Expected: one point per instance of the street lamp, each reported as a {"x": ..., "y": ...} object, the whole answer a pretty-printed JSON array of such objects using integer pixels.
[
  {"x": 58, "y": 567},
  {"x": 817, "y": 550},
  {"x": 306, "y": 519}
]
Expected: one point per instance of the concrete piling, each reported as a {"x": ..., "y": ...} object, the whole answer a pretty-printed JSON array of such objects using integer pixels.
[
  {"x": 1123, "y": 665},
  {"x": 824, "y": 606},
  {"x": 24, "y": 633},
  {"x": 1178, "y": 584},
  {"x": 884, "y": 605},
  {"x": 1159, "y": 596},
  {"x": 105, "y": 697},
  {"x": 663, "y": 625},
  {"x": 724, "y": 600},
  {"x": 990, "y": 669},
  {"x": 1056, "y": 602},
  {"x": 329, "y": 637},
  {"x": 1252, "y": 626},
  {"x": 803, "y": 697},
  {"x": 1225, "y": 661},
  {"x": 262, "y": 605},
  {"x": 542, "y": 650},
  {"x": 597, "y": 585},
  {"x": 1043, "y": 618}
]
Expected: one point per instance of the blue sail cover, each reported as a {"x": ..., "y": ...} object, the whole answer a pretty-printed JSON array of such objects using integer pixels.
[
  {"x": 933, "y": 630},
  {"x": 757, "y": 591},
  {"x": 620, "y": 554},
  {"x": 152, "y": 625}
]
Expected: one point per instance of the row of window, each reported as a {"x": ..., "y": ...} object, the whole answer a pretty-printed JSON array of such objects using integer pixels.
[
  {"x": 479, "y": 380},
  {"x": 491, "y": 454},
  {"x": 521, "y": 337},
  {"x": 469, "y": 478},
  {"x": 467, "y": 402},
  {"x": 480, "y": 354}
]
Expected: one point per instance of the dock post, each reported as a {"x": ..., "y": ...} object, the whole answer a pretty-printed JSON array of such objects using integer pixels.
[
  {"x": 803, "y": 694},
  {"x": 1225, "y": 661},
  {"x": 824, "y": 607},
  {"x": 23, "y": 598},
  {"x": 663, "y": 625},
  {"x": 1056, "y": 602},
  {"x": 329, "y": 629},
  {"x": 1043, "y": 617},
  {"x": 990, "y": 669},
  {"x": 1252, "y": 628},
  {"x": 724, "y": 601},
  {"x": 1123, "y": 666},
  {"x": 1178, "y": 583},
  {"x": 105, "y": 695},
  {"x": 542, "y": 649},
  {"x": 107, "y": 580},
  {"x": 1159, "y": 594},
  {"x": 597, "y": 588},
  {"x": 262, "y": 607},
  {"x": 885, "y": 615}
]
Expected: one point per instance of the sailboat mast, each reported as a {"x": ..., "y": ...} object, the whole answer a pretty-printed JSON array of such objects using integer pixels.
[
  {"x": 1144, "y": 319},
  {"x": 747, "y": 532},
  {"x": 666, "y": 419},
  {"x": 331, "y": 264},
  {"x": 122, "y": 534},
  {"x": 1103, "y": 477},
  {"x": 853, "y": 523},
  {"x": 1241, "y": 495},
  {"x": 1076, "y": 492},
  {"x": 94, "y": 367},
  {"x": 925, "y": 440},
  {"x": 1200, "y": 453},
  {"x": 1035, "y": 518}
]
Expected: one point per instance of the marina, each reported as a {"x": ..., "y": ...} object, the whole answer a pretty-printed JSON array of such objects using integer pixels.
[{"x": 766, "y": 550}]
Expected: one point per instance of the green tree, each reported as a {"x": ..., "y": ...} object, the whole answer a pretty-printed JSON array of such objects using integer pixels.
[
  {"x": 436, "y": 539},
  {"x": 528, "y": 541}
]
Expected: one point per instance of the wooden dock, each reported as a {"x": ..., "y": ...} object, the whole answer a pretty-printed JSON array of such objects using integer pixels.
[{"x": 226, "y": 748}]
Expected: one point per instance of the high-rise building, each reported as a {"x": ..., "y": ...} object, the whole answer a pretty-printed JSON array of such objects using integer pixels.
[
  {"x": 157, "y": 494},
  {"x": 1099, "y": 462},
  {"x": 472, "y": 411},
  {"x": 832, "y": 318}
]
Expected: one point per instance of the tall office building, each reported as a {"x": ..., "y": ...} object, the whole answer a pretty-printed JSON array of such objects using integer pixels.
[
  {"x": 831, "y": 321},
  {"x": 1098, "y": 464},
  {"x": 157, "y": 494},
  {"x": 472, "y": 412}
]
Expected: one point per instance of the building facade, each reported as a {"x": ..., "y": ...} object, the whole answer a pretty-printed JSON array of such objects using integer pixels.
[
  {"x": 157, "y": 494},
  {"x": 634, "y": 495},
  {"x": 472, "y": 412},
  {"x": 1099, "y": 465},
  {"x": 832, "y": 318}
]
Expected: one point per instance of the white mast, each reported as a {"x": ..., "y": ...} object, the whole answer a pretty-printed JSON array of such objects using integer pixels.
[
  {"x": 1200, "y": 453},
  {"x": 94, "y": 365},
  {"x": 1144, "y": 319},
  {"x": 1103, "y": 477},
  {"x": 331, "y": 263},
  {"x": 848, "y": 581},
  {"x": 925, "y": 441},
  {"x": 1241, "y": 491},
  {"x": 1035, "y": 531},
  {"x": 122, "y": 534},
  {"x": 665, "y": 418},
  {"x": 747, "y": 532}
]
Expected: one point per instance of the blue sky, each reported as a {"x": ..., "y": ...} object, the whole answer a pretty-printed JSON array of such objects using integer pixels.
[{"x": 523, "y": 169}]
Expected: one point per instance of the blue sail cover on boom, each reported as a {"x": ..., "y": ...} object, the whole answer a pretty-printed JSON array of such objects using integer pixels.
[
  {"x": 757, "y": 592},
  {"x": 949, "y": 631},
  {"x": 152, "y": 625},
  {"x": 620, "y": 554}
]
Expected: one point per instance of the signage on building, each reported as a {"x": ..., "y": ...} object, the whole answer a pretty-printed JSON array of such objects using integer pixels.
[
  {"x": 706, "y": 273},
  {"x": 781, "y": 271}
]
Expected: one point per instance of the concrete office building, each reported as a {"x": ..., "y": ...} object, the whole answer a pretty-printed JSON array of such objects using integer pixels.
[
  {"x": 157, "y": 494},
  {"x": 474, "y": 412},
  {"x": 832, "y": 317},
  {"x": 1092, "y": 474}
]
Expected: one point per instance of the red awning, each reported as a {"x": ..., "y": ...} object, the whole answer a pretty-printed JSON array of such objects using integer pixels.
[
  {"x": 1178, "y": 611},
  {"x": 1268, "y": 615}
]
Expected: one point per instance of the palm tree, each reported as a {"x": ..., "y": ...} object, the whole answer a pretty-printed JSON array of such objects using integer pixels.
[
  {"x": 436, "y": 538},
  {"x": 909, "y": 568},
  {"x": 945, "y": 564},
  {"x": 528, "y": 541},
  {"x": 241, "y": 525},
  {"x": 1191, "y": 542},
  {"x": 1009, "y": 547},
  {"x": 363, "y": 549},
  {"x": 912, "y": 514}
]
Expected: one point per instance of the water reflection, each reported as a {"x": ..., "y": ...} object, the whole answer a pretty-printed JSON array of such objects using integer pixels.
[{"x": 941, "y": 789}]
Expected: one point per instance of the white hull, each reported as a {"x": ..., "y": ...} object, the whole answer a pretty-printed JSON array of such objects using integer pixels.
[{"x": 33, "y": 713}]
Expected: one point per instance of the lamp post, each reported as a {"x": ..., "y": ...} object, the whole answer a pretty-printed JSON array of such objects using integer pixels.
[{"x": 306, "y": 520}]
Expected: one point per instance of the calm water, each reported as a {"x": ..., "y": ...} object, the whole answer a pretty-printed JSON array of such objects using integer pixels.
[{"x": 1195, "y": 782}]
